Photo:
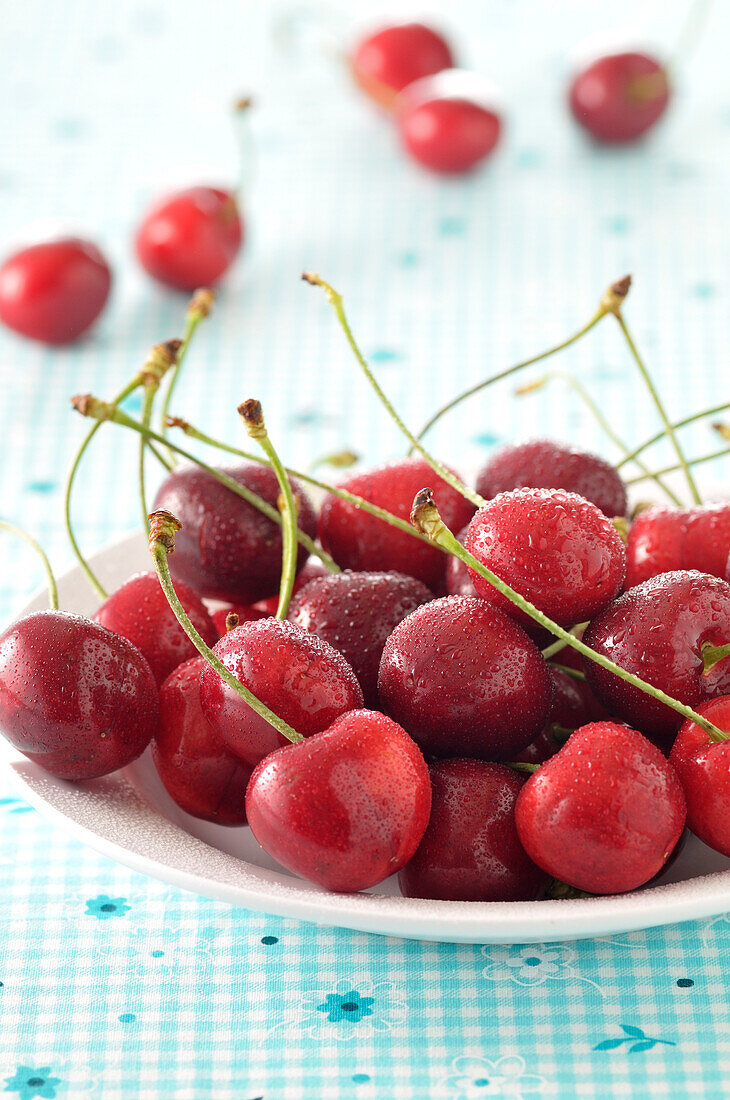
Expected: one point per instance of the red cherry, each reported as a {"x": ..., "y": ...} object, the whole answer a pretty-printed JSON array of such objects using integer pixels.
[
  {"x": 312, "y": 569},
  {"x": 619, "y": 97},
  {"x": 346, "y": 808},
  {"x": 458, "y": 577},
  {"x": 190, "y": 238},
  {"x": 75, "y": 698},
  {"x": 445, "y": 131},
  {"x": 363, "y": 543},
  {"x": 356, "y": 613},
  {"x": 199, "y": 773},
  {"x": 574, "y": 705},
  {"x": 465, "y": 680},
  {"x": 296, "y": 674},
  {"x": 555, "y": 548},
  {"x": 139, "y": 611},
  {"x": 54, "y": 292},
  {"x": 657, "y": 630},
  {"x": 664, "y": 539},
  {"x": 228, "y": 550},
  {"x": 245, "y": 613},
  {"x": 544, "y": 464},
  {"x": 604, "y": 814},
  {"x": 470, "y": 850},
  {"x": 388, "y": 60},
  {"x": 703, "y": 767}
]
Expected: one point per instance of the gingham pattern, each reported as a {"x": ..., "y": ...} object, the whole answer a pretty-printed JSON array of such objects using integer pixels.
[{"x": 444, "y": 281}]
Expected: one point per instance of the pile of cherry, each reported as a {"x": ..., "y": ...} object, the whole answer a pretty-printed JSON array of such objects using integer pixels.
[{"x": 496, "y": 692}]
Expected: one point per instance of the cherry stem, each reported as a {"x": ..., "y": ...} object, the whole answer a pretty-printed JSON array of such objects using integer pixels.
[
  {"x": 585, "y": 396},
  {"x": 711, "y": 654},
  {"x": 522, "y": 766},
  {"x": 560, "y": 891},
  {"x": 574, "y": 673},
  {"x": 426, "y": 517},
  {"x": 668, "y": 426},
  {"x": 88, "y": 405},
  {"x": 556, "y": 647},
  {"x": 198, "y": 308},
  {"x": 335, "y": 300},
  {"x": 341, "y": 460},
  {"x": 252, "y": 415},
  {"x": 672, "y": 469},
  {"x": 244, "y": 141},
  {"x": 232, "y": 621},
  {"x": 163, "y": 527},
  {"x": 560, "y": 734},
  {"x": 158, "y": 362},
  {"x": 630, "y": 457},
  {"x": 12, "y": 529}
]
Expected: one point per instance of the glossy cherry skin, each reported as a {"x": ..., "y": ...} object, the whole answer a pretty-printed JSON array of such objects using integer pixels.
[
  {"x": 574, "y": 705},
  {"x": 555, "y": 548},
  {"x": 605, "y": 813},
  {"x": 300, "y": 677},
  {"x": 363, "y": 543},
  {"x": 199, "y": 773},
  {"x": 657, "y": 630},
  {"x": 246, "y": 614},
  {"x": 470, "y": 850},
  {"x": 388, "y": 60},
  {"x": 356, "y": 613},
  {"x": 447, "y": 135},
  {"x": 703, "y": 767},
  {"x": 465, "y": 680},
  {"x": 190, "y": 238},
  {"x": 346, "y": 808},
  {"x": 75, "y": 698},
  {"x": 619, "y": 97},
  {"x": 53, "y": 292},
  {"x": 545, "y": 464},
  {"x": 313, "y": 568},
  {"x": 139, "y": 611},
  {"x": 458, "y": 578},
  {"x": 227, "y": 549},
  {"x": 664, "y": 539}
]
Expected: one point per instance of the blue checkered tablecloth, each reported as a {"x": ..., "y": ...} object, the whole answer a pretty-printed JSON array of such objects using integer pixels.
[{"x": 114, "y": 985}]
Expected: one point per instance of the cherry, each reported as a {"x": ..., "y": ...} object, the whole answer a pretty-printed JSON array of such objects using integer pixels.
[
  {"x": 139, "y": 611},
  {"x": 227, "y": 549},
  {"x": 243, "y": 612},
  {"x": 574, "y": 705},
  {"x": 356, "y": 613},
  {"x": 659, "y": 630},
  {"x": 346, "y": 808},
  {"x": 458, "y": 578},
  {"x": 555, "y": 548},
  {"x": 619, "y": 97},
  {"x": 386, "y": 61},
  {"x": 362, "y": 542},
  {"x": 470, "y": 850},
  {"x": 53, "y": 292},
  {"x": 297, "y": 675},
  {"x": 190, "y": 238},
  {"x": 605, "y": 813},
  {"x": 74, "y": 697},
  {"x": 545, "y": 464},
  {"x": 703, "y": 767},
  {"x": 444, "y": 126},
  {"x": 313, "y": 568},
  {"x": 664, "y": 539},
  {"x": 199, "y": 773},
  {"x": 465, "y": 680}
]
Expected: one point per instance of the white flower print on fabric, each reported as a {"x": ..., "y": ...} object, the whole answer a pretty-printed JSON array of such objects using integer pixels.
[
  {"x": 474, "y": 1078},
  {"x": 532, "y": 964}
]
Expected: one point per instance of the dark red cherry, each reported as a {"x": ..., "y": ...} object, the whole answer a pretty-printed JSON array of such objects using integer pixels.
[
  {"x": 470, "y": 850},
  {"x": 53, "y": 292},
  {"x": 657, "y": 630},
  {"x": 465, "y": 680},
  {"x": 75, "y": 698},
  {"x": 386, "y": 61},
  {"x": 553, "y": 547},
  {"x": 245, "y": 613},
  {"x": 363, "y": 543},
  {"x": 300, "y": 677},
  {"x": 545, "y": 464},
  {"x": 703, "y": 767},
  {"x": 619, "y": 97},
  {"x": 574, "y": 705},
  {"x": 190, "y": 238},
  {"x": 450, "y": 132},
  {"x": 346, "y": 808},
  {"x": 313, "y": 568},
  {"x": 661, "y": 540},
  {"x": 227, "y": 550},
  {"x": 199, "y": 773},
  {"x": 605, "y": 813},
  {"x": 458, "y": 577},
  {"x": 356, "y": 613},
  {"x": 139, "y": 611}
]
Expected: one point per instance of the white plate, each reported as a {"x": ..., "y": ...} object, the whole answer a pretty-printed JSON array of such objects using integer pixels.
[{"x": 129, "y": 817}]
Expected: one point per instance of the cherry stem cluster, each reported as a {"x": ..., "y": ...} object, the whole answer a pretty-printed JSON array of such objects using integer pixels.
[
  {"x": 12, "y": 529},
  {"x": 677, "y": 424},
  {"x": 199, "y": 307},
  {"x": 673, "y": 469}
]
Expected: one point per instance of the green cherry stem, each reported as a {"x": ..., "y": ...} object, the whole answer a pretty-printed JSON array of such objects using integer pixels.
[
  {"x": 88, "y": 405},
  {"x": 159, "y": 361},
  {"x": 335, "y": 300},
  {"x": 711, "y": 654},
  {"x": 426, "y": 517},
  {"x": 198, "y": 308},
  {"x": 252, "y": 415},
  {"x": 556, "y": 647},
  {"x": 574, "y": 673},
  {"x": 163, "y": 527},
  {"x": 673, "y": 469},
  {"x": 677, "y": 424},
  {"x": 523, "y": 766},
  {"x": 12, "y": 529}
]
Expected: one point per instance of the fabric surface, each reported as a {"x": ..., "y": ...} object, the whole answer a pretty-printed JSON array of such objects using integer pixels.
[{"x": 114, "y": 985}]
